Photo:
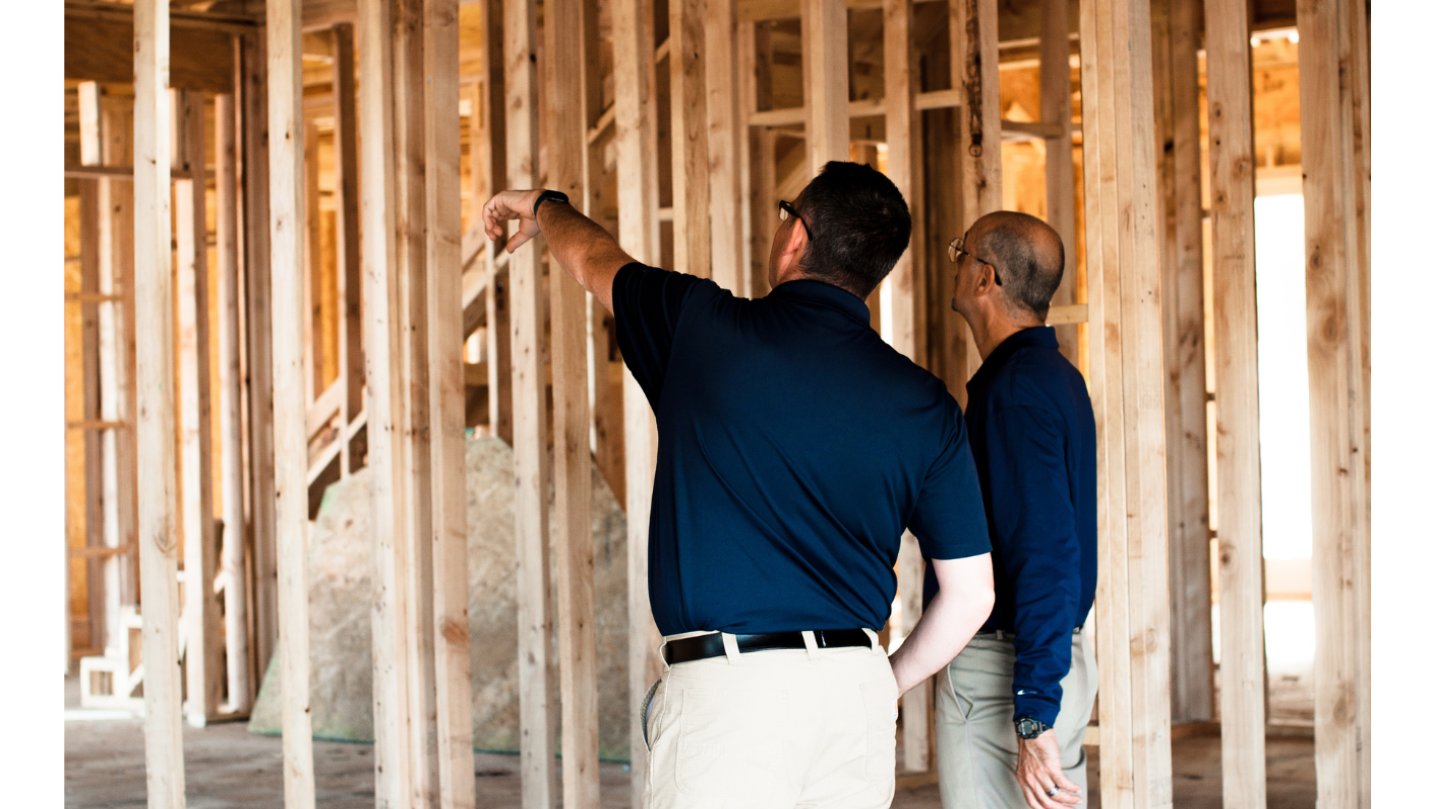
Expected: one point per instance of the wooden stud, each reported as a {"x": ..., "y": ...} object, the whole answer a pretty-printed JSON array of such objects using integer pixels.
[
  {"x": 1193, "y": 691},
  {"x": 91, "y": 245},
  {"x": 414, "y": 545},
  {"x": 824, "y": 70},
  {"x": 724, "y": 133},
  {"x": 158, "y": 528},
  {"x": 635, "y": 80},
  {"x": 383, "y": 318},
  {"x": 1238, "y": 434},
  {"x": 530, "y": 439},
  {"x": 1127, "y": 374},
  {"x": 687, "y": 69},
  {"x": 346, "y": 161},
  {"x": 492, "y": 162},
  {"x": 231, "y": 455},
  {"x": 572, "y": 461},
  {"x": 117, "y": 365},
  {"x": 454, "y": 690},
  {"x": 972, "y": 27},
  {"x": 905, "y": 305},
  {"x": 260, "y": 354},
  {"x": 313, "y": 269},
  {"x": 1060, "y": 172},
  {"x": 202, "y": 627},
  {"x": 291, "y": 452},
  {"x": 1334, "y": 107}
]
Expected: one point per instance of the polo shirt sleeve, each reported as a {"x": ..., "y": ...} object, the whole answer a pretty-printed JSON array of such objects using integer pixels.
[
  {"x": 949, "y": 520},
  {"x": 647, "y": 304},
  {"x": 1037, "y": 552}
]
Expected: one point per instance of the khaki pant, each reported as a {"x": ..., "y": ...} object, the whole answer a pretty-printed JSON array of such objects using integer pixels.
[
  {"x": 778, "y": 729},
  {"x": 976, "y": 741}
]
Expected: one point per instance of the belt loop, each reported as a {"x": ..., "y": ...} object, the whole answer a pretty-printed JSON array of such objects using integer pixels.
[
  {"x": 662, "y": 648},
  {"x": 729, "y": 646},
  {"x": 810, "y": 641},
  {"x": 875, "y": 639}
]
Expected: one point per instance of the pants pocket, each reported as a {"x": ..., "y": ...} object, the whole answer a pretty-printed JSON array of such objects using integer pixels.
[
  {"x": 963, "y": 703},
  {"x": 879, "y": 706}
]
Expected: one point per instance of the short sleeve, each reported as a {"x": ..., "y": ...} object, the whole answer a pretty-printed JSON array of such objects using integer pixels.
[
  {"x": 949, "y": 520},
  {"x": 647, "y": 305}
]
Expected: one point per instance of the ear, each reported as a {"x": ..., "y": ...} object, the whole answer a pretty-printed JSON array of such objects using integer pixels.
[{"x": 791, "y": 249}]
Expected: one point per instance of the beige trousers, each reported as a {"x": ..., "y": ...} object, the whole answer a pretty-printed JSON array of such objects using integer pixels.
[
  {"x": 779, "y": 729},
  {"x": 976, "y": 741}
]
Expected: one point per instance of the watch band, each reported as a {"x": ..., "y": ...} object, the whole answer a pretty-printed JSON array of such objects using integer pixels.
[{"x": 549, "y": 194}]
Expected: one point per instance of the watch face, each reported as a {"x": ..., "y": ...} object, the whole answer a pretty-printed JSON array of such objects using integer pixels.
[{"x": 1028, "y": 728}]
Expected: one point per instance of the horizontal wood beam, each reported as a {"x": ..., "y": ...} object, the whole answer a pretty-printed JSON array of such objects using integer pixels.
[{"x": 98, "y": 48}]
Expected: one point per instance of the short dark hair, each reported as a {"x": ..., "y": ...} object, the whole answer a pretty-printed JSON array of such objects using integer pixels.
[
  {"x": 1029, "y": 273},
  {"x": 858, "y": 226}
]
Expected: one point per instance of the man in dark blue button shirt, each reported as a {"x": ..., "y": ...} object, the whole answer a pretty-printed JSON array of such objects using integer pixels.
[
  {"x": 1010, "y": 726},
  {"x": 795, "y": 446}
]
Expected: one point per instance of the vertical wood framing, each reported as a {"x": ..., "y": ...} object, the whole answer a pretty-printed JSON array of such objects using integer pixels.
[
  {"x": 91, "y": 246},
  {"x": 906, "y": 301},
  {"x": 563, "y": 102},
  {"x": 687, "y": 65},
  {"x": 1060, "y": 172},
  {"x": 635, "y": 105},
  {"x": 154, "y": 296},
  {"x": 825, "y": 83},
  {"x": 346, "y": 162},
  {"x": 414, "y": 546},
  {"x": 530, "y": 439},
  {"x": 723, "y": 133},
  {"x": 454, "y": 696},
  {"x": 1238, "y": 473},
  {"x": 491, "y": 169},
  {"x": 313, "y": 269},
  {"x": 117, "y": 364},
  {"x": 1334, "y": 106},
  {"x": 1132, "y": 610},
  {"x": 258, "y": 315},
  {"x": 972, "y": 25},
  {"x": 383, "y": 319},
  {"x": 202, "y": 627},
  {"x": 1192, "y": 680},
  {"x": 291, "y": 448},
  {"x": 231, "y": 375}
]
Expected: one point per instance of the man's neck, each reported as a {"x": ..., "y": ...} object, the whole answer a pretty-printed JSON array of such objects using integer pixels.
[{"x": 992, "y": 331}]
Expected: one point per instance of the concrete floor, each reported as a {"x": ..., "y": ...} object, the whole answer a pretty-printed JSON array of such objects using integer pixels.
[{"x": 226, "y": 766}]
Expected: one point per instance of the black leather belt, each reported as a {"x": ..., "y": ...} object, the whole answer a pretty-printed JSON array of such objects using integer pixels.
[{"x": 702, "y": 647}]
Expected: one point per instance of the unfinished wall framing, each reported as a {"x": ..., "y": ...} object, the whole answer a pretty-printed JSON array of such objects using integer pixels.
[{"x": 340, "y": 308}]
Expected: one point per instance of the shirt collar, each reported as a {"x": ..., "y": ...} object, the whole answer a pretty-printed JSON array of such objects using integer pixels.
[
  {"x": 823, "y": 293},
  {"x": 1033, "y": 337}
]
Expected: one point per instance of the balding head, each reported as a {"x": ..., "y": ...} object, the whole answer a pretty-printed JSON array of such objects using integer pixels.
[{"x": 1028, "y": 254}]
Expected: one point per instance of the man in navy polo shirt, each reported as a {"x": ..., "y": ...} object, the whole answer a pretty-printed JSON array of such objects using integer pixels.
[
  {"x": 1010, "y": 726},
  {"x": 795, "y": 446}
]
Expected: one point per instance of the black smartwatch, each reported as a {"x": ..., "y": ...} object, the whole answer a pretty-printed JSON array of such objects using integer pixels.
[
  {"x": 1028, "y": 728},
  {"x": 549, "y": 194}
]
